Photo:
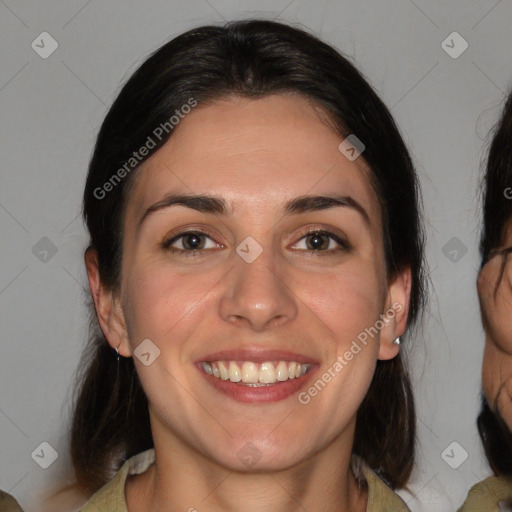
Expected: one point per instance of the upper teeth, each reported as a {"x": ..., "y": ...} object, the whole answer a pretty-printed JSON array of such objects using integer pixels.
[{"x": 254, "y": 373}]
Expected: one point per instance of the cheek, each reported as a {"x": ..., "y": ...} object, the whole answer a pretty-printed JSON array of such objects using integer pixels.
[
  {"x": 496, "y": 374},
  {"x": 159, "y": 302},
  {"x": 497, "y": 309},
  {"x": 488, "y": 383},
  {"x": 162, "y": 299},
  {"x": 348, "y": 301},
  {"x": 505, "y": 402},
  {"x": 490, "y": 375}
]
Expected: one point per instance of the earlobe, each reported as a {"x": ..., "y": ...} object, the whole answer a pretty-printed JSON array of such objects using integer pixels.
[
  {"x": 108, "y": 308},
  {"x": 395, "y": 315}
]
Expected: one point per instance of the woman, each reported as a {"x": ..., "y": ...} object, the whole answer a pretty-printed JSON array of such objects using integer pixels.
[
  {"x": 256, "y": 256},
  {"x": 495, "y": 294}
]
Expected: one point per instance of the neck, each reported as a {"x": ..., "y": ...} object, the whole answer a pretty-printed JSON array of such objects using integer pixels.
[{"x": 183, "y": 479}]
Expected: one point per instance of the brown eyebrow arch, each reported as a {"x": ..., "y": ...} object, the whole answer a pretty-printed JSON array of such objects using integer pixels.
[
  {"x": 304, "y": 204},
  {"x": 217, "y": 205}
]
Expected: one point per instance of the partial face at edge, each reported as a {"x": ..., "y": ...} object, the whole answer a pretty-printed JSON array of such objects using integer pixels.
[{"x": 497, "y": 311}]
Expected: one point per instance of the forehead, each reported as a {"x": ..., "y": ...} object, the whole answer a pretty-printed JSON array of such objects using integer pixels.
[{"x": 256, "y": 153}]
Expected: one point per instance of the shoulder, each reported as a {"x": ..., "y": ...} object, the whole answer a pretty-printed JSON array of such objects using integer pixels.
[
  {"x": 112, "y": 495},
  {"x": 381, "y": 498},
  {"x": 485, "y": 496},
  {"x": 8, "y": 503}
]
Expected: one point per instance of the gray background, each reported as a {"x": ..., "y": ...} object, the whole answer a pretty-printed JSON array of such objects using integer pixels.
[{"x": 51, "y": 110}]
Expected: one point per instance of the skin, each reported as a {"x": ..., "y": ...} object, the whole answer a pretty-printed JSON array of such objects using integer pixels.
[
  {"x": 496, "y": 313},
  {"x": 256, "y": 154}
]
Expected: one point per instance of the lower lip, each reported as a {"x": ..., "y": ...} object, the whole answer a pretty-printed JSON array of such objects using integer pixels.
[{"x": 263, "y": 394}]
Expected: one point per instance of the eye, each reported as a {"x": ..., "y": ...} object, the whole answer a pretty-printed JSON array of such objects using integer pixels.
[
  {"x": 195, "y": 243},
  {"x": 190, "y": 243},
  {"x": 319, "y": 240}
]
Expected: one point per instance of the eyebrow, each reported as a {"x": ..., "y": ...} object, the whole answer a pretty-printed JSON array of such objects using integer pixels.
[{"x": 217, "y": 205}]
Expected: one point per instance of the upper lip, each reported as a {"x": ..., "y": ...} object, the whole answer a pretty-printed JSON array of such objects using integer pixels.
[{"x": 257, "y": 355}]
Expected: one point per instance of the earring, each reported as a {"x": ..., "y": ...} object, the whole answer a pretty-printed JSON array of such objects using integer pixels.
[
  {"x": 397, "y": 341},
  {"x": 117, "y": 352}
]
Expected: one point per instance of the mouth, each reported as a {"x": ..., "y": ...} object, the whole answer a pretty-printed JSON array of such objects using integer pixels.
[
  {"x": 255, "y": 376},
  {"x": 249, "y": 373}
]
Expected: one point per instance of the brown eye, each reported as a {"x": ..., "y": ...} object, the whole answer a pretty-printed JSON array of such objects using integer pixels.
[
  {"x": 323, "y": 242},
  {"x": 190, "y": 243},
  {"x": 317, "y": 241}
]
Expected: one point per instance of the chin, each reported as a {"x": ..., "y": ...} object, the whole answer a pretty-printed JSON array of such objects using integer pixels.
[{"x": 255, "y": 456}]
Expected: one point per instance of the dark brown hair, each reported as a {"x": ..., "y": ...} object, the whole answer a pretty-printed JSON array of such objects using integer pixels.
[
  {"x": 497, "y": 209},
  {"x": 497, "y": 184},
  {"x": 252, "y": 59}
]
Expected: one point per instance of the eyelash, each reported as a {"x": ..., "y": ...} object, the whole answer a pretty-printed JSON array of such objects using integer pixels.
[{"x": 344, "y": 246}]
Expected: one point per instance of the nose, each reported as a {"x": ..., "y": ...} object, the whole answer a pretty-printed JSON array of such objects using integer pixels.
[{"x": 258, "y": 294}]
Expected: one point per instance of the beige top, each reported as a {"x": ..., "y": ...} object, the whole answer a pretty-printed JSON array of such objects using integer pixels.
[
  {"x": 8, "y": 503},
  {"x": 111, "y": 496},
  {"x": 493, "y": 494}
]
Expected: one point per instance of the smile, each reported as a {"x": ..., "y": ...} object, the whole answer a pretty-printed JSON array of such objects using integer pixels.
[{"x": 253, "y": 374}]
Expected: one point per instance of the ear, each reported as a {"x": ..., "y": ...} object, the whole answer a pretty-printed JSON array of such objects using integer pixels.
[
  {"x": 395, "y": 315},
  {"x": 108, "y": 308}
]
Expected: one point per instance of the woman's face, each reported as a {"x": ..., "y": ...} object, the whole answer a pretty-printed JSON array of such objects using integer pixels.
[
  {"x": 261, "y": 290},
  {"x": 497, "y": 314}
]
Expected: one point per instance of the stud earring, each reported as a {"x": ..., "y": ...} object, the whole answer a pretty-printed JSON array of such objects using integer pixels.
[{"x": 397, "y": 341}]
